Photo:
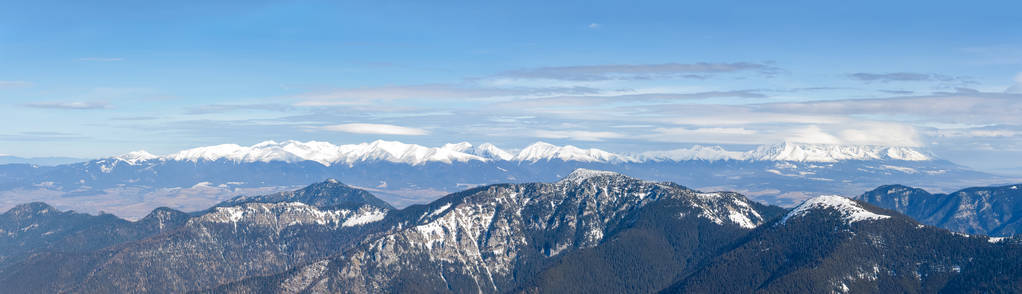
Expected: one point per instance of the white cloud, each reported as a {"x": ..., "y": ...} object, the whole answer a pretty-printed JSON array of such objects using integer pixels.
[
  {"x": 878, "y": 133},
  {"x": 698, "y": 70},
  {"x": 70, "y": 105},
  {"x": 577, "y": 135},
  {"x": 812, "y": 135},
  {"x": 594, "y": 25},
  {"x": 376, "y": 95},
  {"x": 974, "y": 133},
  {"x": 992, "y": 133},
  {"x": 704, "y": 131},
  {"x": 377, "y": 129},
  {"x": 1017, "y": 87},
  {"x": 13, "y": 84}
]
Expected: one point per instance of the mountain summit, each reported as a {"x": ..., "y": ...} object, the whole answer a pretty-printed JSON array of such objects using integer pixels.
[{"x": 328, "y": 193}]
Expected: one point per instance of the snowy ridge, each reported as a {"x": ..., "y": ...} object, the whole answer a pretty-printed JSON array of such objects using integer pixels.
[
  {"x": 397, "y": 152},
  {"x": 697, "y": 152},
  {"x": 545, "y": 151},
  {"x": 285, "y": 214},
  {"x": 482, "y": 237},
  {"x": 136, "y": 157},
  {"x": 789, "y": 152},
  {"x": 329, "y": 154},
  {"x": 832, "y": 153},
  {"x": 849, "y": 209},
  {"x": 579, "y": 175}
]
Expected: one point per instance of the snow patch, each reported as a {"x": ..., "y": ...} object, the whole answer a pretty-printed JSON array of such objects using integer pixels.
[
  {"x": 440, "y": 210},
  {"x": 364, "y": 216}
]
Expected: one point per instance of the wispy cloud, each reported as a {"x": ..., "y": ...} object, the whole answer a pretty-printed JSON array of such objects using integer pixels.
[
  {"x": 577, "y": 135},
  {"x": 977, "y": 107},
  {"x": 908, "y": 77},
  {"x": 377, "y": 129},
  {"x": 609, "y": 100},
  {"x": 374, "y": 95},
  {"x": 101, "y": 59},
  {"x": 221, "y": 108},
  {"x": 134, "y": 118},
  {"x": 41, "y": 136},
  {"x": 638, "y": 71},
  {"x": 76, "y": 105},
  {"x": 14, "y": 84},
  {"x": 1017, "y": 87},
  {"x": 594, "y": 25}
]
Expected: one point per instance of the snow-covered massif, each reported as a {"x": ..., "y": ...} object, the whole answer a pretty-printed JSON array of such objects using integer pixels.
[
  {"x": 397, "y": 152},
  {"x": 783, "y": 174}
]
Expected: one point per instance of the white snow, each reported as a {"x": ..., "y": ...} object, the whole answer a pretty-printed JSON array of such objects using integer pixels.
[
  {"x": 136, "y": 157},
  {"x": 996, "y": 239},
  {"x": 545, "y": 151},
  {"x": 440, "y": 210},
  {"x": 741, "y": 219},
  {"x": 833, "y": 153},
  {"x": 392, "y": 151},
  {"x": 576, "y": 177},
  {"x": 364, "y": 216},
  {"x": 850, "y": 211},
  {"x": 488, "y": 150},
  {"x": 797, "y": 152},
  {"x": 697, "y": 152},
  {"x": 286, "y": 214},
  {"x": 329, "y": 154},
  {"x": 718, "y": 207}
]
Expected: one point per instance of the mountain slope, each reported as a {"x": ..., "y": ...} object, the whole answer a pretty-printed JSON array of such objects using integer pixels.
[
  {"x": 832, "y": 244},
  {"x": 993, "y": 211},
  {"x": 326, "y": 194},
  {"x": 223, "y": 244},
  {"x": 37, "y": 227},
  {"x": 497, "y": 238}
]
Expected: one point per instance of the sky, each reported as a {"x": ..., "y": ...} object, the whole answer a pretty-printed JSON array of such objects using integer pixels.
[{"x": 99, "y": 78}]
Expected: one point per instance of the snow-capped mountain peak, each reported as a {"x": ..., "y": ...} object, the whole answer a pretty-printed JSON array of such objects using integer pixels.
[
  {"x": 397, "y": 152},
  {"x": 848, "y": 208},
  {"x": 488, "y": 150},
  {"x": 697, "y": 152},
  {"x": 135, "y": 157},
  {"x": 832, "y": 153},
  {"x": 546, "y": 151}
]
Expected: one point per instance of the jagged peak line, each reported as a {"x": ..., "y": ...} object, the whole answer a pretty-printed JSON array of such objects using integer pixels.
[{"x": 394, "y": 151}]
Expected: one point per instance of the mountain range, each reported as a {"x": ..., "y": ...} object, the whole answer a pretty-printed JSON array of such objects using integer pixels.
[
  {"x": 132, "y": 184},
  {"x": 994, "y": 211},
  {"x": 589, "y": 232}
]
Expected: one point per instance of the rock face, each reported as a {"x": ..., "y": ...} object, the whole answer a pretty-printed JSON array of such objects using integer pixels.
[
  {"x": 853, "y": 247},
  {"x": 993, "y": 211},
  {"x": 492, "y": 239}
]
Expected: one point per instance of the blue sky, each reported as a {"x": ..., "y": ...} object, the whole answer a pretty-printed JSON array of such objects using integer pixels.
[{"x": 107, "y": 77}]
